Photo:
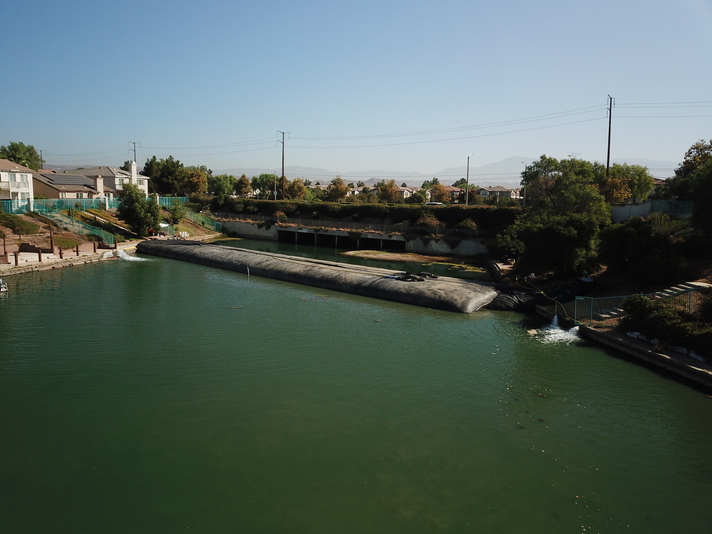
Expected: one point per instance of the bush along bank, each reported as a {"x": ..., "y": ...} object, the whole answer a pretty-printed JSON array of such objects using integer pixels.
[
  {"x": 471, "y": 217},
  {"x": 672, "y": 324}
]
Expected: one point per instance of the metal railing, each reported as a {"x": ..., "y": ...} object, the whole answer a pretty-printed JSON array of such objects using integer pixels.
[
  {"x": 79, "y": 204},
  {"x": 168, "y": 201},
  {"x": 672, "y": 207},
  {"x": 16, "y": 207},
  {"x": 607, "y": 311},
  {"x": 78, "y": 227},
  {"x": 204, "y": 221}
]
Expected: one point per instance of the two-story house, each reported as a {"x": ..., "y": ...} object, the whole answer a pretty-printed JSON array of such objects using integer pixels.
[
  {"x": 63, "y": 185},
  {"x": 16, "y": 186},
  {"x": 115, "y": 178}
]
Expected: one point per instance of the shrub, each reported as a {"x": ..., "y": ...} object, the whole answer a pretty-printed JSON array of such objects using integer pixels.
[
  {"x": 18, "y": 225},
  {"x": 427, "y": 218},
  {"x": 641, "y": 249},
  {"x": 656, "y": 319}
]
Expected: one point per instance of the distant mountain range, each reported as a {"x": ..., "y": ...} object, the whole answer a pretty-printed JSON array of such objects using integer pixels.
[{"x": 506, "y": 173}]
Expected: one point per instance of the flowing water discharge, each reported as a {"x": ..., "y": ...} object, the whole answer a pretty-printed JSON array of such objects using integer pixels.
[
  {"x": 553, "y": 333},
  {"x": 162, "y": 396},
  {"x": 123, "y": 255}
]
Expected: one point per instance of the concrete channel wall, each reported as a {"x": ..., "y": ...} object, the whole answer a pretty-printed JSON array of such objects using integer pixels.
[
  {"x": 358, "y": 240},
  {"x": 444, "y": 293}
]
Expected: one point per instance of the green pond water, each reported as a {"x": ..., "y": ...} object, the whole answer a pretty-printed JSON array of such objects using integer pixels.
[{"x": 160, "y": 396}]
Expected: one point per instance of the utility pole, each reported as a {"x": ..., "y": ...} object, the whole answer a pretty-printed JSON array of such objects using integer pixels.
[
  {"x": 42, "y": 164},
  {"x": 134, "y": 143},
  {"x": 611, "y": 101},
  {"x": 282, "y": 141},
  {"x": 467, "y": 181}
]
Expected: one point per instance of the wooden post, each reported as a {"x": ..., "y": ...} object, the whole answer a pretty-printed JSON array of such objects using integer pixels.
[
  {"x": 61, "y": 253},
  {"x": 39, "y": 256},
  {"x": 94, "y": 243},
  {"x": 51, "y": 238},
  {"x": 17, "y": 256},
  {"x": 77, "y": 249}
]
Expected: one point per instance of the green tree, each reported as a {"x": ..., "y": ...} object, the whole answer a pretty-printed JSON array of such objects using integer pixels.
[
  {"x": 165, "y": 175},
  {"x": 568, "y": 186},
  {"x": 695, "y": 158},
  {"x": 388, "y": 192},
  {"x": 337, "y": 190},
  {"x": 242, "y": 186},
  {"x": 177, "y": 211},
  {"x": 151, "y": 169},
  {"x": 625, "y": 182},
  {"x": 439, "y": 192},
  {"x": 635, "y": 248},
  {"x": 22, "y": 154},
  {"x": 192, "y": 180},
  {"x": 138, "y": 212},
  {"x": 418, "y": 197},
  {"x": 428, "y": 184},
  {"x": 640, "y": 181},
  {"x": 314, "y": 194},
  {"x": 223, "y": 184},
  {"x": 565, "y": 211},
  {"x": 680, "y": 186},
  {"x": 564, "y": 244},
  {"x": 702, "y": 191},
  {"x": 266, "y": 184},
  {"x": 296, "y": 189}
]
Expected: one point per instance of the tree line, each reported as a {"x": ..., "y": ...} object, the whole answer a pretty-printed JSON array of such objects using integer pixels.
[{"x": 566, "y": 227}]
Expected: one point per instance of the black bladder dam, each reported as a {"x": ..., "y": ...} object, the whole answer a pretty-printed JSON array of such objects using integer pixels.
[{"x": 443, "y": 293}]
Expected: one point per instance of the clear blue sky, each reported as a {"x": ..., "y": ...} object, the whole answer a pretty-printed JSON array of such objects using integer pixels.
[{"x": 400, "y": 86}]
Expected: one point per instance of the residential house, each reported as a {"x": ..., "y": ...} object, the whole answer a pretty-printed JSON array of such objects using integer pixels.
[
  {"x": 114, "y": 178},
  {"x": 454, "y": 192},
  {"x": 75, "y": 186},
  {"x": 407, "y": 192},
  {"x": 498, "y": 191},
  {"x": 16, "y": 185}
]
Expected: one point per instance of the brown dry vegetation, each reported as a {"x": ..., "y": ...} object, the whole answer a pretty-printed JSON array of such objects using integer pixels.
[{"x": 40, "y": 239}]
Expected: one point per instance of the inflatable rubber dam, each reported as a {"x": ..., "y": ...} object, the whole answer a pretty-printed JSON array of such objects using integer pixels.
[{"x": 444, "y": 293}]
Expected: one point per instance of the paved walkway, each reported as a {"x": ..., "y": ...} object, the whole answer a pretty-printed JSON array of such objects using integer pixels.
[{"x": 30, "y": 261}]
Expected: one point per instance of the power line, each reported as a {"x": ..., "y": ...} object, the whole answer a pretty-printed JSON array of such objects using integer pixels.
[
  {"x": 549, "y": 116},
  {"x": 662, "y": 116},
  {"x": 209, "y": 147},
  {"x": 452, "y": 138}
]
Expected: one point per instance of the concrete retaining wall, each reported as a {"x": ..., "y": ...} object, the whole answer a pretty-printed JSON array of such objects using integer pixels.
[
  {"x": 248, "y": 229},
  {"x": 443, "y": 293},
  {"x": 621, "y": 212},
  {"x": 466, "y": 247},
  {"x": 366, "y": 240}
]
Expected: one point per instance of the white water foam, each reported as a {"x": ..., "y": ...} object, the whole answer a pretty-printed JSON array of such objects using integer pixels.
[
  {"x": 123, "y": 255},
  {"x": 553, "y": 333}
]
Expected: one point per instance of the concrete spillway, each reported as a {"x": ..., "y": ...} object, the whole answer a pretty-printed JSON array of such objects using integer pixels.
[{"x": 443, "y": 293}]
